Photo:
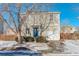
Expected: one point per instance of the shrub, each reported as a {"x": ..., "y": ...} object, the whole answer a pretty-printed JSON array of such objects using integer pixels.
[
  {"x": 41, "y": 39},
  {"x": 29, "y": 39}
]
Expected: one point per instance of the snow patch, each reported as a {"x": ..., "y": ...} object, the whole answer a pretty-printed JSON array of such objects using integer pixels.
[{"x": 4, "y": 44}]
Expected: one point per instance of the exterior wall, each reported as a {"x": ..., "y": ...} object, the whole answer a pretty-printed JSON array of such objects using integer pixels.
[{"x": 53, "y": 30}]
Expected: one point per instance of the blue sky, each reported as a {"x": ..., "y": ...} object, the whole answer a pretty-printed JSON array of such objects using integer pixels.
[{"x": 69, "y": 12}]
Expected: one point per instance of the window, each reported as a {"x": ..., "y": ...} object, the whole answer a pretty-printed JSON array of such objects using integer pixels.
[{"x": 27, "y": 31}]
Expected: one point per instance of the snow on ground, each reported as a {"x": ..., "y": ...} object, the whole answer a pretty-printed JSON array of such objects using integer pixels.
[
  {"x": 37, "y": 46},
  {"x": 31, "y": 45},
  {"x": 70, "y": 47},
  {"x": 4, "y": 44}
]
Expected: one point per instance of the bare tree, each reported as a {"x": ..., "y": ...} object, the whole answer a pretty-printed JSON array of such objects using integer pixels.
[
  {"x": 40, "y": 15},
  {"x": 14, "y": 20}
]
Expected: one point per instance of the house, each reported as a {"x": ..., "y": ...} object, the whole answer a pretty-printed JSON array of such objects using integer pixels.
[
  {"x": 46, "y": 22},
  {"x": 67, "y": 29}
]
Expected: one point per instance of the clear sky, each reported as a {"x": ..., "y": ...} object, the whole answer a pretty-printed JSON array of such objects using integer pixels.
[{"x": 69, "y": 12}]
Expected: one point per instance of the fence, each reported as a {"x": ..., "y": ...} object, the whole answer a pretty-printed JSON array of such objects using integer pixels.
[
  {"x": 69, "y": 36},
  {"x": 7, "y": 37}
]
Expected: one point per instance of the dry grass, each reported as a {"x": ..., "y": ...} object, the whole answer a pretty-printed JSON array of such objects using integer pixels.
[{"x": 8, "y": 37}]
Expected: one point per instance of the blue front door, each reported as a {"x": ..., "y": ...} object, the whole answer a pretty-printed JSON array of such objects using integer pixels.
[{"x": 35, "y": 32}]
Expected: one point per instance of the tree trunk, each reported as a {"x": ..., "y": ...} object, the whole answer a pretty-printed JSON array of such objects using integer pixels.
[{"x": 20, "y": 40}]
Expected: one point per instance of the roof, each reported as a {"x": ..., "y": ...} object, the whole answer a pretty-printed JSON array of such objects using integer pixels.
[
  {"x": 43, "y": 12},
  {"x": 54, "y": 12}
]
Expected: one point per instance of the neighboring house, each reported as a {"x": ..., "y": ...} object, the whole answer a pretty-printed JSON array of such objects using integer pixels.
[
  {"x": 9, "y": 32},
  {"x": 51, "y": 20},
  {"x": 67, "y": 29},
  {"x": 76, "y": 30}
]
